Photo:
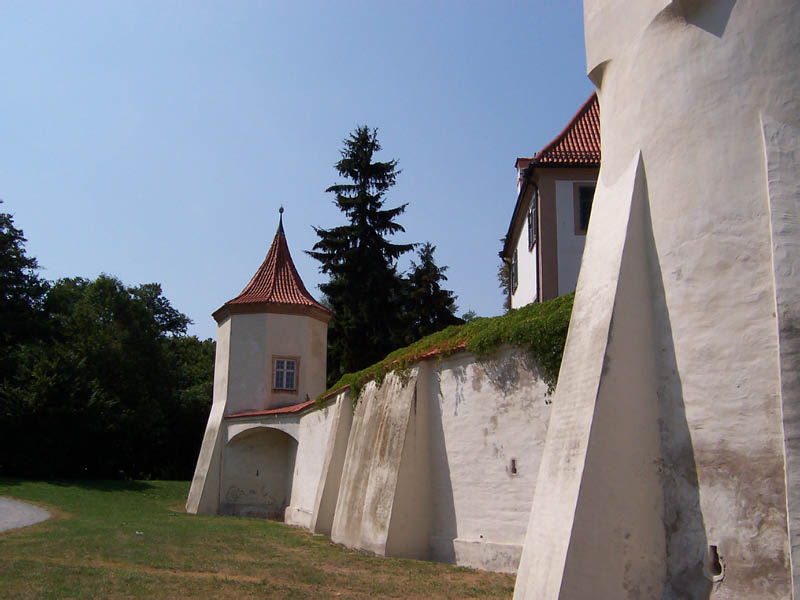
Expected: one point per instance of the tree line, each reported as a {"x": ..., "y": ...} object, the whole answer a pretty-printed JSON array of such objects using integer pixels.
[{"x": 97, "y": 379}]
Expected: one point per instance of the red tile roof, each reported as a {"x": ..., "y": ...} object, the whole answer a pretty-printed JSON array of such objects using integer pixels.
[
  {"x": 276, "y": 287},
  {"x": 283, "y": 410},
  {"x": 579, "y": 143}
]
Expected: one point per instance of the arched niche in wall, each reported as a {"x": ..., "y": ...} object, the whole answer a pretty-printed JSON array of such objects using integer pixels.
[{"x": 258, "y": 466}]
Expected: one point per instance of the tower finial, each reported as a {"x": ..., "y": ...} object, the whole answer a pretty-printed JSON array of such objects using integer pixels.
[{"x": 280, "y": 220}]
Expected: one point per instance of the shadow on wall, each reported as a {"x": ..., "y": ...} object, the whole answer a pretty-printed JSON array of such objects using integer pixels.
[
  {"x": 687, "y": 549},
  {"x": 258, "y": 466},
  {"x": 445, "y": 526},
  {"x": 709, "y": 15}
]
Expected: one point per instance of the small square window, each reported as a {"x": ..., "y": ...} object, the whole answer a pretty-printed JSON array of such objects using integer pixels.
[{"x": 285, "y": 374}]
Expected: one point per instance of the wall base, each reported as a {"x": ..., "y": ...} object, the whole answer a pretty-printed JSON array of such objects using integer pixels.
[{"x": 477, "y": 554}]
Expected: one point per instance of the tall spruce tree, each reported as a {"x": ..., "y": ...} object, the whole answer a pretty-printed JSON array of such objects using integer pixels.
[
  {"x": 364, "y": 288},
  {"x": 429, "y": 307}
]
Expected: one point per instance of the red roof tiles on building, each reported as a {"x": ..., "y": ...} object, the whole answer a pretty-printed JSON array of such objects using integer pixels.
[
  {"x": 579, "y": 143},
  {"x": 275, "y": 287},
  {"x": 283, "y": 410}
]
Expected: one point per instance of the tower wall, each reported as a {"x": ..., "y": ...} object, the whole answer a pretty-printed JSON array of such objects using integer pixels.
[
  {"x": 700, "y": 109},
  {"x": 255, "y": 341}
]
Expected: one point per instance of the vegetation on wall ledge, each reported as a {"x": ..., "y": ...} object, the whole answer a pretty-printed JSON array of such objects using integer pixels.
[{"x": 539, "y": 328}]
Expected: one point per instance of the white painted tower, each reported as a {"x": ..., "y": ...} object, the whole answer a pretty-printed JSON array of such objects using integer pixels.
[{"x": 271, "y": 356}]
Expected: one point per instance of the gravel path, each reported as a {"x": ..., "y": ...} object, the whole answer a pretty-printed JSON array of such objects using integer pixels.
[{"x": 15, "y": 514}]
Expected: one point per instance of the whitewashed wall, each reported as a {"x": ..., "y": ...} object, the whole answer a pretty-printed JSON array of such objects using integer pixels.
[
  {"x": 683, "y": 249},
  {"x": 422, "y": 469},
  {"x": 256, "y": 475},
  {"x": 484, "y": 415},
  {"x": 263, "y": 462},
  {"x": 441, "y": 443},
  {"x": 527, "y": 275},
  {"x": 314, "y": 430},
  {"x": 254, "y": 340}
]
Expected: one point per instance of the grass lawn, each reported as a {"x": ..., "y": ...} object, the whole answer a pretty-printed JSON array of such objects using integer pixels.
[{"x": 118, "y": 539}]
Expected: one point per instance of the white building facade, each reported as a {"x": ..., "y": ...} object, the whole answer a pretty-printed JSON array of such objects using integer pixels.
[
  {"x": 544, "y": 242},
  {"x": 264, "y": 442}
]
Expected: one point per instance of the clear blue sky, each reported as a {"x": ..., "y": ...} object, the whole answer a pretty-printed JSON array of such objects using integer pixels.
[{"x": 155, "y": 141}]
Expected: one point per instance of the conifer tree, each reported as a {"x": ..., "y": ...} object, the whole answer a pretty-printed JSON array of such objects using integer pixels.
[
  {"x": 429, "y": 307},
  {"x": 364, "y": 289}
]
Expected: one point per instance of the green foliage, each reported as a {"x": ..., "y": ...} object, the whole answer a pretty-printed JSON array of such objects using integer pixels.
[
  {"x": 131, "y": 539},
  {"x": 540, "y": 328},
  {"x": 429, "y": 308},
  {"x": 364, "y": 289},
  {"x": 375, "y": 307},
  {"x": 96, "y": 378},
  {"x": 112, "y": 390},
  {"x": 468, "y": 316}
]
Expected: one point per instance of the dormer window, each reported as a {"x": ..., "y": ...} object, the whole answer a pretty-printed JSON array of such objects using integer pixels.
[{"x": 285, "y": 374}]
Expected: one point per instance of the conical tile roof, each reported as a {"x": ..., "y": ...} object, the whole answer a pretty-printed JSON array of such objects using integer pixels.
[{"x": 275, "y": 287}]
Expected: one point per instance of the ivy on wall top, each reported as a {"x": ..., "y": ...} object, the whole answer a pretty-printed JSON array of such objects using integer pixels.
[{"x": 540, "y": 328}]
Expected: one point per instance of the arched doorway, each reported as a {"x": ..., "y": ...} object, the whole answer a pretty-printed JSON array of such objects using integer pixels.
[{"x": 257, "y": 471}]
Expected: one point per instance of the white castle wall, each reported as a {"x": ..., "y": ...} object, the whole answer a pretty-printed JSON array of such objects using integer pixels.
[
  {"x": 314, "y": 430},
  {"x": 383, "y": 446},
  {"x": 263, "y": 465},
  {"x": 428, "y": 471},
  {"x": 484, "y": 415},
  {"x": 527, "y": 275},
  {"x": 669, "y": 469},
  {"x": 437, "y": 463}
]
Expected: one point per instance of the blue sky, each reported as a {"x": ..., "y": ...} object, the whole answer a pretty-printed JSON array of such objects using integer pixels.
[{"x": 155, "y": 141}]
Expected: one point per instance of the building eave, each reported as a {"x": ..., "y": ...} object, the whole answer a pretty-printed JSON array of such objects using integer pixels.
[{"x": 280, "y": 308}]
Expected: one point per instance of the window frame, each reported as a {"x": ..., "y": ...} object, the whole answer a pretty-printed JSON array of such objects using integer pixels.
[
  {"x": 577, "y": 187},
  {"x": 275, "y": 371},
  {"x": 533, "y": 221},
  {"x": 514, "y": 271}
]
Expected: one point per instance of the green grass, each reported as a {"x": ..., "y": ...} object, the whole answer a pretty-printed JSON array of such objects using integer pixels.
[
  {"x": 131, "y": 540},
  {"x": 540, "y": 328}
]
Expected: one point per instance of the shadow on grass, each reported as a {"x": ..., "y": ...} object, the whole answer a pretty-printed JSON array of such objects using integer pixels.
[{"x": 100, "y": 485}]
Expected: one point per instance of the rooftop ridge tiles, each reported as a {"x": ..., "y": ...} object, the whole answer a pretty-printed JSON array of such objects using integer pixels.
[{"x": 578, "y": 142}]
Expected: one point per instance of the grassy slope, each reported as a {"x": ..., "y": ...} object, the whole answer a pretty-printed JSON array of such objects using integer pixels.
[
  {"x": 92, "y": 550},
  {"x": 539, "y": 327}
]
